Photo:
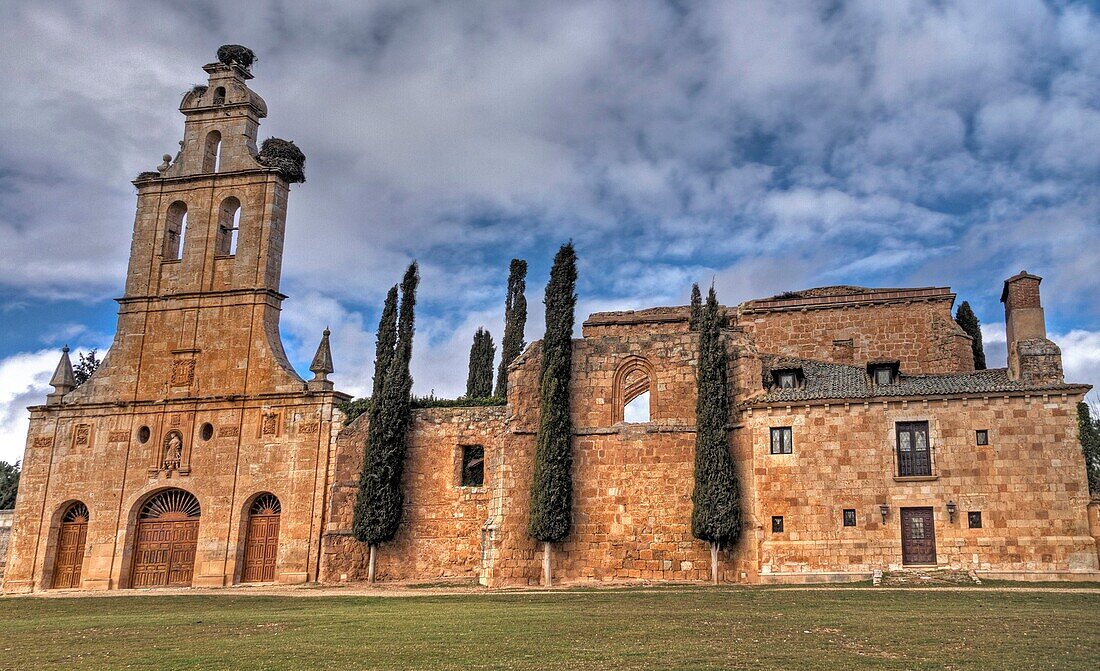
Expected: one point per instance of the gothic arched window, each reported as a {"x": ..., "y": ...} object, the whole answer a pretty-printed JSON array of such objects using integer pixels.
[{"x": 634, "y": 393}]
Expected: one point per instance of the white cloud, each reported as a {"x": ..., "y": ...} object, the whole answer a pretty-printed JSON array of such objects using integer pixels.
[{"x": 24, "y": 381}]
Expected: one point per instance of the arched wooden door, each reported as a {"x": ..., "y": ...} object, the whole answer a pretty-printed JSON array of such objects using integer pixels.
[
  {"x": 70, "y": 546},
  {"x": 262, "y": 542},
  {"x": 167, "y": 535}
]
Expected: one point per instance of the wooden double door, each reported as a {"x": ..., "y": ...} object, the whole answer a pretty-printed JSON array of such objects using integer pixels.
[
  {"x": 261, "y": 548},
  {"x": 164, "y": 555},
  {"x": 918, "y": 536},
  {"x": 70, "y": 554}
]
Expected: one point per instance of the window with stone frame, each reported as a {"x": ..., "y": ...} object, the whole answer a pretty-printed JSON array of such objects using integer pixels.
[
  {"x": 781, "y": 440},
  {"x": 981, "y": 436},
  {"x": 777, "y": 524},
  {"x": 913, "y": 450},
  {"x": 974, "y": 519},
  {"x": 473, "y": 466},
  {"x": 849, "y": 517}
]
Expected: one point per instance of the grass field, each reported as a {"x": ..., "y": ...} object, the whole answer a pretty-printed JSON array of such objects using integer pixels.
[{"x": 672, "y": 628}]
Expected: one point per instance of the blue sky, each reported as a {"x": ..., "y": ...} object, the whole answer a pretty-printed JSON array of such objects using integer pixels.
[{"x": 764, "y": 146}]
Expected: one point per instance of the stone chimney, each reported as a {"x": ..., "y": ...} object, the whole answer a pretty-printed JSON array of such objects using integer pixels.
[{"x": 1031, "y": 357}]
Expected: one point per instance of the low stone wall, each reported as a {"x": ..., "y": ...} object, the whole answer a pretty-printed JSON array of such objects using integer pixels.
[{"x": 6, "y": 517}]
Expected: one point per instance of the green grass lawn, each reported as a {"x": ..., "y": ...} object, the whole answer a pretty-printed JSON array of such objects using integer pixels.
[{"x": 687, "y": 628}]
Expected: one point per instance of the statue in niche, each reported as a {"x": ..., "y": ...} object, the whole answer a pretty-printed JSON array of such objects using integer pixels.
[{"x": 173, "y": 452}]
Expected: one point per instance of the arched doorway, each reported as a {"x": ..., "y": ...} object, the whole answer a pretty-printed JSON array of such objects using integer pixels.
[
  {"x": 167, "y": 535},
  {"x": 262, "y": 541},
  {"x": 70, "y": 546}
]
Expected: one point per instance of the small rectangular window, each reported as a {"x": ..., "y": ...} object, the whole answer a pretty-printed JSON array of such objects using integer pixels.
[
  {"x": 473, "y": 466},
  {"x": 884, "y": 375},
  {"x": 849, "y": 517},
  {"x": 982, "y": 436},
  {"x": 787, "y": 381},
  {"x": 974, "y": 519},
  {"x": 777, "y": 524},
  {"x": 781, "y": 440}
]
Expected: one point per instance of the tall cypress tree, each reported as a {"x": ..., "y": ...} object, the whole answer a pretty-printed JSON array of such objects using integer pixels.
[
  {"x": 515, "y": 320},
  {"x": 479, "y": 379},
  {"x": 966, "y": 318},
  {"x": 696, "y": 307},
  {"x": 1089, "y": 434},
  {"x": 385, "y": 341},
  {"x": 552, "y": 485},
  {"x": 378, "y": 506},
  {"x": 716, "y": 515}
]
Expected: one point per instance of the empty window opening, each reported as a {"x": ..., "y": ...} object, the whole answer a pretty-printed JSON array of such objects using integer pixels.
[
  {"x": 143, "y": 435},
  {"x": 777, "y": 524},
  {"x": 982, "y": 436},
  {"x": 229, "y": 224},
  {"x": 849, "y": 517},
  {"x": 219, "y": 95},
  {"x": 473, "y": 466},
  {"x": 207, "y": 431},
  {"x": 211, "y": 158},
  {"x": 914, "y": 455},
  {"x": 633, "y": 393},
  {"x": 782, "y": 442},
  {"x": 636, "y": 411},
  {"x": 175, "y": 231},
  {"x": 974, "y": 519}
]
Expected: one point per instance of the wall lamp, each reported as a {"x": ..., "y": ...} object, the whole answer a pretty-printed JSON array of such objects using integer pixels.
[
  {"x": 951, "y": 510},
  {"x": 883, "y": 509}
]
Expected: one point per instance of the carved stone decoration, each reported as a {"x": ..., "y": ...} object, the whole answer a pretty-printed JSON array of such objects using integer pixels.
[
  {"x": 117, "y": 437},
  {"x": 269, "y": 426},
  {"x": 173, "y": 452},
  {"x": 175, "y": 421},
  {"x": 43, "y": 441},
  {"x": 82, "y": 436},
  {"x": 183, "y": 372},
  {"x": 309, "y": 428},
  {"x": 228, "y": 431}
]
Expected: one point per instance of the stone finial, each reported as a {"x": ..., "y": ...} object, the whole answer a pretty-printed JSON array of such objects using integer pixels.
[
  {"x": 321, "y": 366},
  {"x": 63, "y": 380},
  {"x": 167, "y": 163}
]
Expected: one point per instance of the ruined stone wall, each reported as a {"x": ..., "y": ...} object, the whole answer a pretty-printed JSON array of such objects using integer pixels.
[
  {"x": 93, "y": 454},
  {"x": 1029, "y": 484},
  {"x": 922, "y": 335},
  {"x": 632, "y": 482},
  {"x": 441, "y": 532}
]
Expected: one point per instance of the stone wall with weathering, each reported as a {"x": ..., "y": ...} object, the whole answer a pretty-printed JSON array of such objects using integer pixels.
[
  {"x": 443, "y": 523},
  {"x": 853, "y": 325},
  {"x": 1028, "y": 484}
]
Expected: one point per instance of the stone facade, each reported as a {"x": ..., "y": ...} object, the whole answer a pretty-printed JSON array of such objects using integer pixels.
[{"x": 196, "y": 399}]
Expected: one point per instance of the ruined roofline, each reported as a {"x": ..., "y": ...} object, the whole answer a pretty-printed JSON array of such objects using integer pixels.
[{"x": 818, "y": 298}]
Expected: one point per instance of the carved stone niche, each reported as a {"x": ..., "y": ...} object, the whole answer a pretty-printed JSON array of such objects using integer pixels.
[
  {"x": 172, "y": 454},
  {"x": 269, "y": 424}
]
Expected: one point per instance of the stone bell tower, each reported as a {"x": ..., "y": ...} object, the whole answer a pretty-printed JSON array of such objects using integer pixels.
[
  {"x": 195, "y": 413},
  {"x": 200, "y": 311}
]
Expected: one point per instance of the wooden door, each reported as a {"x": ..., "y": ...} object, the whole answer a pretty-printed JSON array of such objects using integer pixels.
[
  {"x": 70, "y": 554},
  {"x": 918, "y": 536},
  {"x": 165, "y": 553},
  {"x": 261, "y": 549}
]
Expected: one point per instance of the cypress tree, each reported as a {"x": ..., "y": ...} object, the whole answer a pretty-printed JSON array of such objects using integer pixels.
[
  {"x": 479, "y": 379},
  {"x": 515, "y": 320},
  {"x": 966, "y": 319},
  {"x": 716, "y": 515},
  {"x": 1089, "y": 434},
  {"x": 378, "y": 506},
  {"x": 696, "y": 307},
  {"x": 552, "y": 485},
  {"x": 385, "y": 342}
]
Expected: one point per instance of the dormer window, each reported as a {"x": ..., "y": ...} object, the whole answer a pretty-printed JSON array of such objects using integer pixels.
[
  {"x": 787, "y": 378},
  {"x": 883, "y": 373}
]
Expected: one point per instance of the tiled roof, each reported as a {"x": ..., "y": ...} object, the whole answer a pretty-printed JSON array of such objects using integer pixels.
[{"x": 825, "y": 381}]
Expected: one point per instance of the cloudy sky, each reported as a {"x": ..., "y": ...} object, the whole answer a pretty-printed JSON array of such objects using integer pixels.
[{"x": 764, "y": 146}]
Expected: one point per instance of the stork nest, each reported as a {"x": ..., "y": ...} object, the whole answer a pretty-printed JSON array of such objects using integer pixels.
[
  {"x": 286, "y": 157},
  {"x": 235, "y": 53}
]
